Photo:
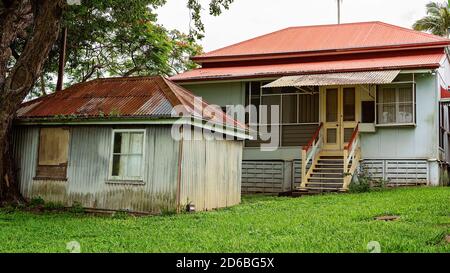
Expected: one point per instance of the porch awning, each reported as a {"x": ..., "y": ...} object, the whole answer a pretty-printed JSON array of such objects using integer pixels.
[{"x": 369, "y": 77}]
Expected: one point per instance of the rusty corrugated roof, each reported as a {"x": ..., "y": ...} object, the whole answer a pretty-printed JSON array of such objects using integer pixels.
[
  {"x": 132, "y": 97},
  {"x": 401, "y": 60},
  {"x": 307, "y": 39},
  {"x": 366, "y": 77}
]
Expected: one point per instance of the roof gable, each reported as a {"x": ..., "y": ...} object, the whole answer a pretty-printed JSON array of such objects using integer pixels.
[{"x": 327, "y": 38}]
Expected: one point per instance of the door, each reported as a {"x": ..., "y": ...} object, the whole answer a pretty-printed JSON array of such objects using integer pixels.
[{"x": 340, "y": 116}]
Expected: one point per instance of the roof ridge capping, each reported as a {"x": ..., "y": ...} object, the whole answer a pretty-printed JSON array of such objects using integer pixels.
[{"x": 231, "y": 51}]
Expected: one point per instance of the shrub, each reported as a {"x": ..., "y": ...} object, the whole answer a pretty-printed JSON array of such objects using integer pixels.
[
  {"x": 54, "y": 206},
  {"x": 77, "y": 208},
  {"x": 365, "y": 183},
  {"x": 37, "y": 201}
]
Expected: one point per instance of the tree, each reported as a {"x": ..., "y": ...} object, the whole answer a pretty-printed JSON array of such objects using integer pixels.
[
  {"x": 437, "y": 20},
  {"x": 29, "y": 30}
]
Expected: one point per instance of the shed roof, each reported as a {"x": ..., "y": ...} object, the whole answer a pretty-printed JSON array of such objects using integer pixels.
[
  {"x": 132, "y": 97},
  {"x": 343, "y": 37}
]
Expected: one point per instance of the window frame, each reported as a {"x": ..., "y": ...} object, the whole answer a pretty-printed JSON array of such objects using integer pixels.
[
  {"x": 397, "y": 85},
  {"x": 64, "y": 165},
  {"x": 126, "y": 180},
  {"x": 281, "y": 95}
]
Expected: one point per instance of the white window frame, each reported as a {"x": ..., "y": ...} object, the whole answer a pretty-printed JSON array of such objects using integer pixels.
[
  {"x": 414, "y": 108},
  {"x": 116, "y": 179}
]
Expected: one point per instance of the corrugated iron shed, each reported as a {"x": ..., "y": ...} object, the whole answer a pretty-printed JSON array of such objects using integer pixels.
[
  {"x": 133, "y": 97},
  {"x": 370, "y": 77}
]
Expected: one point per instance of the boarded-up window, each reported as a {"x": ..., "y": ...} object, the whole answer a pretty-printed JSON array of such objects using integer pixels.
[
  {"x": 128, "y": 155},
  {"x": 53, "y": 153}
]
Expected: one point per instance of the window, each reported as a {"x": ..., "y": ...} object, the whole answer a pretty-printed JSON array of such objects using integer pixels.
[
  {"x": 299, "y": 115},
  {"x": 127, "y": 156},
  {"x": 53, "y": 154},
  {"x": 442, "y": 131},
  {"x": 396, "y": 104}
]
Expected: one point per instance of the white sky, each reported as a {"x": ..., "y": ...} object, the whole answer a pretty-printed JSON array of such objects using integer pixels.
[{"x": 250, "y": 18}]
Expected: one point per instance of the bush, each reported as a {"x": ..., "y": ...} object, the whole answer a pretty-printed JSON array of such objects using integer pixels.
[
  {"x": 54, "y": 206},
  {"x": 37, "y": 201},
  {"x": 365, "y": 183},
  {"x": 76, "y": 208}
]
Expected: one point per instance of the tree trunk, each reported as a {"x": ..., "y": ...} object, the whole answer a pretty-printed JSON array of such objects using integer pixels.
[{"x": 17, "y": 82}]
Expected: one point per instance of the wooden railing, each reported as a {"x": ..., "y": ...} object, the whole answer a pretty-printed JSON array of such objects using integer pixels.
[
  {"x": 351, "y": 155},
  {"x": 309, "y": 154}
]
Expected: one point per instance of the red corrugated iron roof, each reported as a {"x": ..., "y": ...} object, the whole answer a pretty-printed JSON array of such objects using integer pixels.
[
  {"x": 428, "y": 59},
  {"x": 133, "y": 97},
  {"x": 343, "y": 37},
  {"x": 445, "y": 93}
]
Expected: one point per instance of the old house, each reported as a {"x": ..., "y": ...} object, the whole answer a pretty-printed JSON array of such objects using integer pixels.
[
  {"x": 361, "y": 96},
  {"x": 110, "y": 144}
]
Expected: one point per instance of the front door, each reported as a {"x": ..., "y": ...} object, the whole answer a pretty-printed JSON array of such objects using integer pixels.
[{"x": 340, "y": 116}]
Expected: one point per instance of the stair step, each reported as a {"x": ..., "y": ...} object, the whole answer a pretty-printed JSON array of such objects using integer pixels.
[
  {"x": 328, "y": 184},
  {"x": 329, "y": 169},
  {"x": 325, "y": 178},
  {"x": 323, "y": 189},
  {"x": 330, "y": 174}
]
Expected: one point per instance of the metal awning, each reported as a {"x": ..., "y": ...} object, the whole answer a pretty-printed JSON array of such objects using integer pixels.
[{"x": 369, "y": 77}]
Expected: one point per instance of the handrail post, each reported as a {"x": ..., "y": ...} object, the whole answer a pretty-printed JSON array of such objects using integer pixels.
[
  {"x": 303, "y": 185},
  {"x": 345, "y": 161}
]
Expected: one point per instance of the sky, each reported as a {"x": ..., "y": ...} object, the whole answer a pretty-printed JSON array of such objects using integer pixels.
[{"x": 250, "y": 18}]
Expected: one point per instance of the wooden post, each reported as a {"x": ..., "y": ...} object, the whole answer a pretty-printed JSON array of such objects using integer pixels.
[
  {"x": 345, "y": 162},
  {"x": 303, "y": 185}
]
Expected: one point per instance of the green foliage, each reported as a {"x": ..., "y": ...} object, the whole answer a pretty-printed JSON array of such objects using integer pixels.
[
  {"x": 76, "y": 208},
  {"x": 121, "y": 215},
  {"x": 122, "y": 38},
  {"x": 37, "y": 201},
  {"x": 437, "y": 20},
  {"x": 54, "y": 206},
  {"x": 366, "y": 183},
  {"x": 329, "y": 223}
]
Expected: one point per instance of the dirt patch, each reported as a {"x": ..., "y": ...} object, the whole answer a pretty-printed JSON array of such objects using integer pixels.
[
  {"x": 447, "y": 239},
  {"x": 387, "y": 218}
]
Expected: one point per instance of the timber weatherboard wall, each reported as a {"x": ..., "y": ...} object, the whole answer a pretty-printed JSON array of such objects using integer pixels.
[{"x": 88, "y": 167}]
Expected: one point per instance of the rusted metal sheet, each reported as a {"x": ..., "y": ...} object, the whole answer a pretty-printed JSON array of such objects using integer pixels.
[
  {"x": 321, "y": 38},
  {"x": 133, "y": 97},
  {"x": 426, "y": 59},
  {"x": 369, "y": 77}
]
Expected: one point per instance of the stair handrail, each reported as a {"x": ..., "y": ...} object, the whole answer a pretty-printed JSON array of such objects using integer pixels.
[
  {"x": 351, "y": 154},
  {"x": 309, "y": 153}
]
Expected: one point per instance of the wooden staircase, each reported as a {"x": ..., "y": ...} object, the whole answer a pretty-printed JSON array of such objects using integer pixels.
[
  {"x": 328, "y": 171},
  {"x": 327, "y": 175}
]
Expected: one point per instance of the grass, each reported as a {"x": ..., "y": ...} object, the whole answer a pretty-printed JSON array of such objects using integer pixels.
[{"x": 330, "y": 223}]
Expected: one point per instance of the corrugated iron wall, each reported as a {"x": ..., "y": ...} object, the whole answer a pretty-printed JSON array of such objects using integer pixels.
[
  {"x": 211, "y": 174},
  {"x": 26, "y": 143},
  {"x": 88, "y": 171}
]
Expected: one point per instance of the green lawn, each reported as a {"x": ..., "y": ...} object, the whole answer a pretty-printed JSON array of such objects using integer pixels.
[{"x": 330, "y": 223}]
